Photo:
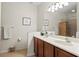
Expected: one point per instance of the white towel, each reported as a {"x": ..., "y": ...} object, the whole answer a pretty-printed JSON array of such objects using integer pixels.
[
  {"x": 77, "y": 34},
  {"x": 6, "y": 34}
]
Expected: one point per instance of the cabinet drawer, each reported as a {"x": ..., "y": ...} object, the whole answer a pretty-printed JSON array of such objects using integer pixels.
[{"x": 62, "y": 53}]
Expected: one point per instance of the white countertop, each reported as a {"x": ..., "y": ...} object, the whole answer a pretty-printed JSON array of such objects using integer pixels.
[{"x": 72, "y": 47}]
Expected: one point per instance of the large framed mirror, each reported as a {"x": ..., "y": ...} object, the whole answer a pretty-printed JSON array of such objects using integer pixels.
[{"x": 67, "y": 21}]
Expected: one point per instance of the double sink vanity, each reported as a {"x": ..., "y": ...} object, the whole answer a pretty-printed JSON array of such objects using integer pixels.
[{"x": 55, "y": 46}]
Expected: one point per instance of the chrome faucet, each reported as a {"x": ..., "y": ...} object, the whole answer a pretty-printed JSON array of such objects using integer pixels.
[
  {"x": 67, "y": 40},
  {"x": 46, "y": 33}
]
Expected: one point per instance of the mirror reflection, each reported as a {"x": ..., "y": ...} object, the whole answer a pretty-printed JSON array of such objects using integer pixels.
[{"x": 63, "y": 17}]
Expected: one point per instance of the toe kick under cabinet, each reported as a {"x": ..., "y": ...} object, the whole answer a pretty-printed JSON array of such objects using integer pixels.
[{"x": 44, "y": 49}]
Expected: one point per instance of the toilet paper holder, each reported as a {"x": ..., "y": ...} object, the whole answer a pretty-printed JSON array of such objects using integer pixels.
[{"x": 19, "y": 39}]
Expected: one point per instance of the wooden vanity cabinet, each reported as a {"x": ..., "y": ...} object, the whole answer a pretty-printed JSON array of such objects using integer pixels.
[
  {"x": 35, "y": 46},
  {"x": 44, "y": 49},
  {"x": 48, "y": 50},
  {"x": 62, "y": 53},
  {"x": 40, "y": 48}
]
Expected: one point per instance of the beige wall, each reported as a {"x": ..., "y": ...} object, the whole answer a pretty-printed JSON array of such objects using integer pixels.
[
  {"x": 77, "y": 17},
  {"x": 0, "y": 20},
  {"x": 12, "y": 14},
  {"x": 0, "y": 25}
]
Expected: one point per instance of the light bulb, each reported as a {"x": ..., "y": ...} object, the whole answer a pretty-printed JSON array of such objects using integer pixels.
[
  {"x": 57, "y": 4},
  {"x": 66, "y": 4},
  {"x": 49, "y": 9},
  {"x": 56, "y": 8},
  {"x": 60, "y": 6},
  {"x": 53, "y": 7},
  {"x": 53, "y": 10}
]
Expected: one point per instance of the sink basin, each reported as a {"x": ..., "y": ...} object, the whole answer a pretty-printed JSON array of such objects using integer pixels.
[
  {"x": 63, "y": 42},
  {"x": 54, "y": 38},
  {"x": 75, "y": 40}
]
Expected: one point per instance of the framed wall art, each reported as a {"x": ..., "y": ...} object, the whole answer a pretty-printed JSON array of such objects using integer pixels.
[{"x": 26, "y": 21}]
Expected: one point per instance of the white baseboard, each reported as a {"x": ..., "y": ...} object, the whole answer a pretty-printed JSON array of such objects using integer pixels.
[{"x": 30, "y": 54}]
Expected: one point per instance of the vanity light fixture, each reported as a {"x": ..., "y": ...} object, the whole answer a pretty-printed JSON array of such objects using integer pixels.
[
  {"x": 49, "y": 9},
  {"x": 60, "y": 6},
  {"x": 55, "y": 6},
  {"x": 52, "y": 10}
]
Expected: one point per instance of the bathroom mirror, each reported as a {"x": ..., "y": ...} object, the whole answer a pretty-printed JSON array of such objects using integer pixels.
[
  {"x": 63, "y": 17},
  {"x": 67, "y": 25}
]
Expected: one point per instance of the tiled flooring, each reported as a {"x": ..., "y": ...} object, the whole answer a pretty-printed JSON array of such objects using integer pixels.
[{"x": 19, "y": 53}]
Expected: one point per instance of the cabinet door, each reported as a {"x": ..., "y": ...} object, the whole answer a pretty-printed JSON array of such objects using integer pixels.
[
  {"x": 62, "y": 28},
  {"x": 62, "y": 53},
  {"x": 48, "y": 50},
  {"x": 35, "y": 46},
  {"x": 40, "y": 48}
]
